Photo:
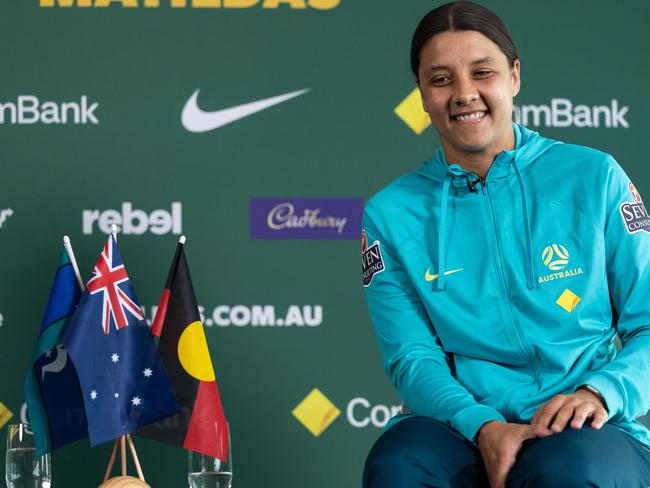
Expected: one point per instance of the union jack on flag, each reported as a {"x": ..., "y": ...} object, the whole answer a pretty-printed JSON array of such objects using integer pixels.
[{"x": 109, "y": 273}]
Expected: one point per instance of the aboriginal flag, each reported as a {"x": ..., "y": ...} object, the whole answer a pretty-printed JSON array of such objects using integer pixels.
[{"x": 201, "y": 424}]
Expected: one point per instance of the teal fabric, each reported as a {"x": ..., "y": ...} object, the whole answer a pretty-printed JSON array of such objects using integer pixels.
[
  {"x": 488, "y": 340},
  {"x": 422, "y": 452}
]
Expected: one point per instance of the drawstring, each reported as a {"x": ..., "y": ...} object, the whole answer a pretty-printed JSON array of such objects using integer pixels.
[
  {"x": 442, "y": 231},
  {"x": 530, "y": 264}
]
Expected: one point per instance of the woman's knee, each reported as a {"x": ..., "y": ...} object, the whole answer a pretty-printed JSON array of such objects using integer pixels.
[
  {"x": 422, "y": 450},
  {"x": 585, "y": 457}
]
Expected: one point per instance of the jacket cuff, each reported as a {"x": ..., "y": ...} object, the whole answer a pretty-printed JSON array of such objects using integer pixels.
[
  {"x": 469, "y": 420},
  {"x": 608, "y": 389}
]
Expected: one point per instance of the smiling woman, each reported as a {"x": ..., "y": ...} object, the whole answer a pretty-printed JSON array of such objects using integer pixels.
[{"x": 509, "y": 375}]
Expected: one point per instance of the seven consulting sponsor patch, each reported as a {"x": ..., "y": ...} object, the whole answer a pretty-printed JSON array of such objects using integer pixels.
[
  {"x": 635, "y": 216},
  {"x": 372, "y": 262}
]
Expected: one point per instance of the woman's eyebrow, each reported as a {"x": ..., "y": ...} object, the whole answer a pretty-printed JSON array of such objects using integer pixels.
[
  {"x": 442, "y": 67},
  {"x": 485, "y": 60}
]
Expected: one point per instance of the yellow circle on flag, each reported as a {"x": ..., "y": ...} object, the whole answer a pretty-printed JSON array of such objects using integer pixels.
[{"x": 194, "y": 354}]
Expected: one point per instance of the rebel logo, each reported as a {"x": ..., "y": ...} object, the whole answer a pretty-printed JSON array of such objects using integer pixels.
[
  {"x": 133, "y": 221},
  {"x": 634, "y": 214},
  {"x": 372, "y": 262},
  {"x": 305, "y": 218}
]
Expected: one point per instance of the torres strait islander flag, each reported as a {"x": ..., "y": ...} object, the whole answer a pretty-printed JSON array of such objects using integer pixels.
[
  {"x": 201, "y": 424},
  {"x": 52, "y": 391},
  {"x": 123, "y": 380}
]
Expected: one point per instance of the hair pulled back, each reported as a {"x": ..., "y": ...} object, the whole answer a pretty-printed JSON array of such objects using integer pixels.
[{"x": 462, "y": 16}]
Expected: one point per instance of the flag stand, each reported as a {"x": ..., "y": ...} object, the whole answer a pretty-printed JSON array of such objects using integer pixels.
[{"x": 124, "y": 480}]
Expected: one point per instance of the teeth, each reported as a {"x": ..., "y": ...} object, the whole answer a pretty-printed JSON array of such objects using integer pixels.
[{"x": 474, "y": 116}]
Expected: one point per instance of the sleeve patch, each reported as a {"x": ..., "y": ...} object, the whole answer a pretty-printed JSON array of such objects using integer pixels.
[
  {"x": 634, "y": 214},
  {"x": 372, "y": 262}
]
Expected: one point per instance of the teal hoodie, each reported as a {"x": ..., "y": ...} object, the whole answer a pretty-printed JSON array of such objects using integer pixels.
[{"x": 490, "y": 297}]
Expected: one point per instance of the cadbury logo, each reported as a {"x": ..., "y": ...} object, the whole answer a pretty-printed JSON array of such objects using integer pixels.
[
  {"x": 305, "y": 218},
  {"x": 284, "y": 216}
]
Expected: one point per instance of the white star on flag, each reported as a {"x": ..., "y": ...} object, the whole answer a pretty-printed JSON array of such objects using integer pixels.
[
  {"x": 115, "y": 358},
  {"x": 93, "y": 395},
  {"x": 147, "y": 372},
  {"x": 48, "y": 354},
  {"x": 117, "y": 395},
  {"x": 135, "y": 401}
]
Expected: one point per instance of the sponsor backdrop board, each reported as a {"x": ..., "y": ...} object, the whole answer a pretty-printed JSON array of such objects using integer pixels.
[{"x": 112, "y": 111}]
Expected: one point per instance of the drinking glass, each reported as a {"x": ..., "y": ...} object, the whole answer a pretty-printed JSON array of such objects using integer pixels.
[
  {"x": 209, "y": 472},
  {"x": 23, "y": 468}
]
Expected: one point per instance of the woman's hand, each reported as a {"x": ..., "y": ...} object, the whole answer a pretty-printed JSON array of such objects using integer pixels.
[
  {"x": 499, "y": 444},
  {"x": 576, "y": 408}
]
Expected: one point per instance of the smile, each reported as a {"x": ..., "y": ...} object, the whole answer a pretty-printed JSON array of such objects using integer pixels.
[{"x": 472, "y": 117}]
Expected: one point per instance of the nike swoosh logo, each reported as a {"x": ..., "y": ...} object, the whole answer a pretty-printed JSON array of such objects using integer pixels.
[
  {"x": 430, "y": 277},
  {"x": 196, "y": 120}
]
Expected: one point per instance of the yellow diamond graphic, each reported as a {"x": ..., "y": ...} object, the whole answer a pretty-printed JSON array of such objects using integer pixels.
[
  {"x": 568, "y": 300},
  {"x": 411, "y": 112},
  {"x": 5, "y": 415},
  {"x": 316, "y": 412}
]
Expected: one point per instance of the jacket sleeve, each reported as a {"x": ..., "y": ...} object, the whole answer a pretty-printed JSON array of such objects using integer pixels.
[
  {"x": 623, "y": 383},
  {"x": 412, "y": 354}
]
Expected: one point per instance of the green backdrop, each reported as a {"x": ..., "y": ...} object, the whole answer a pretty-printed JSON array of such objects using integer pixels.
[{"x": 140, "y": 61}]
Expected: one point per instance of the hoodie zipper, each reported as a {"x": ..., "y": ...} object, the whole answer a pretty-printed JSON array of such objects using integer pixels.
[{"x": 519, "y": 342}]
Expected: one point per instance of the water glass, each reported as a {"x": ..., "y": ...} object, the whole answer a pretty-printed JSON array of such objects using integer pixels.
[
  {"x": 23, "y": 469},
  {"x": 209, "y": 472}
]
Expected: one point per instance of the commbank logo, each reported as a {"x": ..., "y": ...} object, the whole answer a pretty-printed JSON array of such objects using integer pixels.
[
  {"x": 202, "y": 4},
  {"x": 316, "y": 413},
  {"x": 5, "y": 415},
  {"x": 29, "y": 110},
  {"x": 195, "y": 119},
  {"x": 560, "y": 112},
  {"x": 135, "y": 221},
  {"x": 5, "y": 213}
]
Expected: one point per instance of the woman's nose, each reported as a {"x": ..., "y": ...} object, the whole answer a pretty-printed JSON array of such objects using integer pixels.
[{"x": 465, "y": 93}]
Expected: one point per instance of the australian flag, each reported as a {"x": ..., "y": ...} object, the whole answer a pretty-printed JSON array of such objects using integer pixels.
[{"x": 123, "y": 380}]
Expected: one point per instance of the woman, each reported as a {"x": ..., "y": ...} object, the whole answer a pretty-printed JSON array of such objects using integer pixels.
[{"x": 497, "y": 276}]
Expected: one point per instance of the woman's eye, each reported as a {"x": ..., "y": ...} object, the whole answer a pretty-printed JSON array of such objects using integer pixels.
[
  {"x": 483, "y": 73},
  {"x": 440, "y": 80}
]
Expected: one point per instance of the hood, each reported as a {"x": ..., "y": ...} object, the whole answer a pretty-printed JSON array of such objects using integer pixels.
[{"x": 529, "y": 146}]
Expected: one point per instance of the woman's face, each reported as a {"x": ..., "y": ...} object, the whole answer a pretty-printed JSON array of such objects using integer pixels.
[{"x": 467, "y": 89}]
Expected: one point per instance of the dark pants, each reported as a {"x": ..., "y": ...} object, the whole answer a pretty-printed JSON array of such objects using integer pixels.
[{"x": 422, "y": 452}]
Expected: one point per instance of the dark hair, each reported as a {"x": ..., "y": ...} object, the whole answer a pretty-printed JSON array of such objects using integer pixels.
[{"x": 462, "y": 16}]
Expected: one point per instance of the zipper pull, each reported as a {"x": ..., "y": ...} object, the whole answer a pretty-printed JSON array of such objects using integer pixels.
[{"x": 483, "y": 184}]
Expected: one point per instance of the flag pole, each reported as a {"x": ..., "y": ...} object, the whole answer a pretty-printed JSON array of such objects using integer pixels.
[
  {"x": 182, "y": 239},
  {"x": 114, "y": 231},
  {"x": 68, "y": 247}
]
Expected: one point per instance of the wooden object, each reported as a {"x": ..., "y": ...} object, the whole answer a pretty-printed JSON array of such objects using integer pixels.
[{"x": 124, "y": 481}]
